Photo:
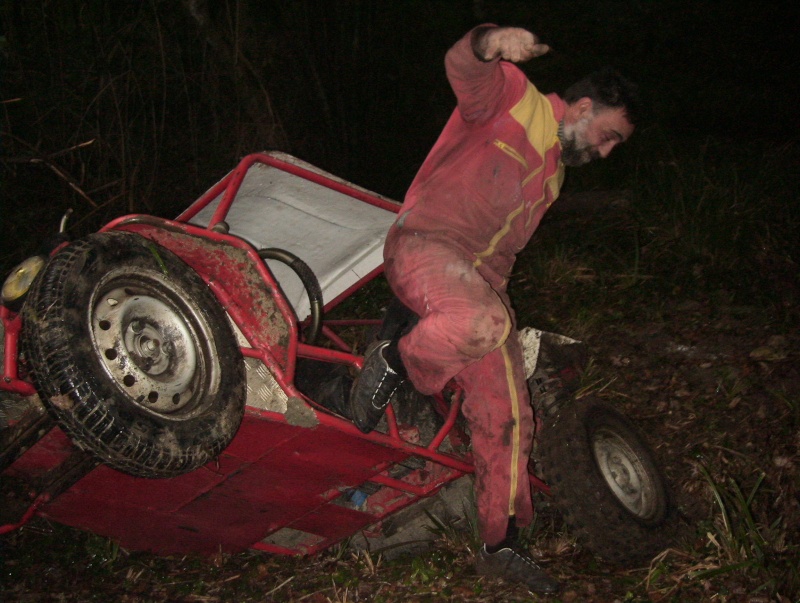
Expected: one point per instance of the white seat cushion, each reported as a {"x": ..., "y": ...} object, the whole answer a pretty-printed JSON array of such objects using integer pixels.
[{"x": 340, "y": 237}]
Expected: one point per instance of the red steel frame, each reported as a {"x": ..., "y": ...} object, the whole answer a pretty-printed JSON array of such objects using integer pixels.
[{"x": 250, "y": 497}]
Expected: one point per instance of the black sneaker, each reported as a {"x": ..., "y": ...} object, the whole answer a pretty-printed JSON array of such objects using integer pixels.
[
  {"x": 513, "y": 566},
  {"x": 373, "y": 388}
]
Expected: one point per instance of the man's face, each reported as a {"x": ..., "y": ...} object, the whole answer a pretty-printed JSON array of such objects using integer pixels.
[{"x": 593, "y": 135}]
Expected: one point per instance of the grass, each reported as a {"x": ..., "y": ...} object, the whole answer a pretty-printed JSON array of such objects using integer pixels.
[{"x": 737, "y": 546}]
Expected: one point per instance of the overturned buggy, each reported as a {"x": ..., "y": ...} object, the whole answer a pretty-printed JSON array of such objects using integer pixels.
[{"x": 175, "y": 385}]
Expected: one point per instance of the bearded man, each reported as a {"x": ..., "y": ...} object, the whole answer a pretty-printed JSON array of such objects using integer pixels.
[{"x": 477, "y": 199}]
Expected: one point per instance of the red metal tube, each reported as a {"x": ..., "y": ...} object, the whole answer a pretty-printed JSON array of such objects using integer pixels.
[
  {"x": 27, "y": 516},
  {"x": 12, "y": 324}
]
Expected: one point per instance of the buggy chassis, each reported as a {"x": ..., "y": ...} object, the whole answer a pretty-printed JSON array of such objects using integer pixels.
[
  {"x": 288, "y": 481},
  {"x": 152, "y": 391}
]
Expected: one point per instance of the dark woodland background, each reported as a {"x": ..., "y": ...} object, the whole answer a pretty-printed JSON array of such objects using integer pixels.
[{"x": 138, "y": 106}]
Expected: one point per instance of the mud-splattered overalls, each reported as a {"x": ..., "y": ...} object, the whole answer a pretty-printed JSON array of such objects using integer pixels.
[{"x": 472, "y": 207}]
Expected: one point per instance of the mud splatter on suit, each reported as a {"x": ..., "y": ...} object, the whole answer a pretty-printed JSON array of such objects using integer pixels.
[{"x": 474, "y": 204}]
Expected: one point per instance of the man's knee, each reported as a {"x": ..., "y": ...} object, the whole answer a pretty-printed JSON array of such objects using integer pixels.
[{"x": 489, "y": 327}]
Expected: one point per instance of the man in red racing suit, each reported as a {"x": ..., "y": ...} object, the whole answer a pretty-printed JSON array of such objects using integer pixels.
[{"x": 477, "y": 199}]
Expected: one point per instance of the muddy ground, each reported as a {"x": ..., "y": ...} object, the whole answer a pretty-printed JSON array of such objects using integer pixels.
[{"x": 713, "y": 384}]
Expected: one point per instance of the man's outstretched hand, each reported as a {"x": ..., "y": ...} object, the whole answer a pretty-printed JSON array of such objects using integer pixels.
[{"x": 510, "y": 43}]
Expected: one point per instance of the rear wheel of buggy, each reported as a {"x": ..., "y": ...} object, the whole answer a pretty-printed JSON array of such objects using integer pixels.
[
  {"x": 606, "y": 483},
  {"x": 134, "y": 355}
]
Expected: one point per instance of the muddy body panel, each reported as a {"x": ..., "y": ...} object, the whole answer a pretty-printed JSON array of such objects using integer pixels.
[
  {"x": 297, "y": 477},
  {"x": 278, "y": 487}
]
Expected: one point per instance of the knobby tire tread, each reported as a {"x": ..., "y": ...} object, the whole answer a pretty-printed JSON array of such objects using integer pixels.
[{"x": 582, "y": 496}]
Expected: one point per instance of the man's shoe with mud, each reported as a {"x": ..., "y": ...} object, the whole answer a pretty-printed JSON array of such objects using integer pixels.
[
  {"x": 373, "y": 389},
  {"x": 516, "y": 567}
]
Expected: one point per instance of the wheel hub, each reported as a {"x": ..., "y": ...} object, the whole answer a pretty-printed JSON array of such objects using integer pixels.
[
  {"x": 144, "y": 343},
  {"x": 624, "y": 473}
]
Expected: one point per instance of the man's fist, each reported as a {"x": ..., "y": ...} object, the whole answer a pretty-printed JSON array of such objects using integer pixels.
[{"x": 510, "y": 43}]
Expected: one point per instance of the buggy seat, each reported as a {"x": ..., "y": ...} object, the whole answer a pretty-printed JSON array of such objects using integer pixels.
[{"x": 339, "y": 236}]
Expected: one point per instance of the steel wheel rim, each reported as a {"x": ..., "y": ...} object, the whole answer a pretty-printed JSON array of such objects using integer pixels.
[
  {"x": 153, "y": 343},
  {"x": 625, "y": 474}
]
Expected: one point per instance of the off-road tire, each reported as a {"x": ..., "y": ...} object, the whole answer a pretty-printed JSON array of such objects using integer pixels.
[
  {"x": 134, "y": 356},
  {"x": 606, "y": 483}
]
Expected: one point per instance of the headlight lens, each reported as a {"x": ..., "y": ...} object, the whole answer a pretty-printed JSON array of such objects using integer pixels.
[{"x": 20, "y": 279}]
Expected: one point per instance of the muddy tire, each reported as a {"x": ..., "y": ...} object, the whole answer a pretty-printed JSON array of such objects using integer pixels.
[
  {"x": 134, "y": 356},
  {"x": 606, "y": 483}
]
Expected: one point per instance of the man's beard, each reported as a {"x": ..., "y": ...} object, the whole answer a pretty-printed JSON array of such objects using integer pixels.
[{"x": 574, "y": 149}]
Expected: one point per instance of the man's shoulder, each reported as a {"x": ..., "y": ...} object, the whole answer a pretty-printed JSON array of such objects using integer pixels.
[{"x": 514, "y": 76}]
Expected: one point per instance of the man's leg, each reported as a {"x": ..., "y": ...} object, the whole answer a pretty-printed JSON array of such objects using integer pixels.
[
  {"x": 461, "y": 319},
  {"x": 500, "y": 417},
  {"x": 466, "y": 331}
]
